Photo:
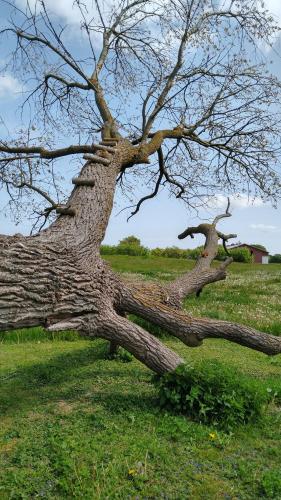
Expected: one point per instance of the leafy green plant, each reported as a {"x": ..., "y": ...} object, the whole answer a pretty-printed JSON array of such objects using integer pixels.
[
  {"x": 271, "y": 484},
  {"x": 240, "y": 254},
  {"x": 212, "y": 394},
  {"x": 121, "y": 355}
]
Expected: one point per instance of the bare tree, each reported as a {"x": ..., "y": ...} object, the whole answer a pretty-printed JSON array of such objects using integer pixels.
[{"x": 180, "y": 95}]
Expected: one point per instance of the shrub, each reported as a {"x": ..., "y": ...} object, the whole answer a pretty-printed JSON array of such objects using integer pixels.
[
  {"x": 275, "y": 259},
  {"x": 135, "y": 250},
  {"x": 157, "y": 252},
  {"x": 108, "y": 250},
  {"x": 221, "y": 254},
  {"x": 241, "y": 254},
  {"x": 238, "y": 254},
  {"x": 194, "y": 253},
  {"x": 172, "y": 252},
  {"x": 131, "y": 245},
  {"x": 212, "y": 394}
]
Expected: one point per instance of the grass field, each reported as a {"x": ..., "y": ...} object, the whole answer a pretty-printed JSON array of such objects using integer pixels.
[{"x": 76, "y": 425}]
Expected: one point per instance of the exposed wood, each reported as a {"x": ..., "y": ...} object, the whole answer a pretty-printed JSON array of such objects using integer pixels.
[
  {"x": 81, "y": 181},
  {"x": 96, "y": 159}
]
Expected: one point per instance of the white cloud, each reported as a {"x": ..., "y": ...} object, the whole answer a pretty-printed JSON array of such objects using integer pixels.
[
  {"x": 266, "y": 228},
  {"x": 238, "y": 200},
  {"x": 9, "y": 86}
]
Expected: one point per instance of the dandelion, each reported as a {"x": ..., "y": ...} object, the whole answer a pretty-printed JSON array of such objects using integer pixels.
[
  {"x": 132, "y": 472},
  {"x": 212, "y": 436}
]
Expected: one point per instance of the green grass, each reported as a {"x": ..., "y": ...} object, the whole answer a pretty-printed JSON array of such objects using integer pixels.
[{"x": 77, "y": 425}]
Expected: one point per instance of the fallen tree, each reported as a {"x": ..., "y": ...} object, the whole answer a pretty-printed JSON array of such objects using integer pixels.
[{"x": 56, "y": 278}]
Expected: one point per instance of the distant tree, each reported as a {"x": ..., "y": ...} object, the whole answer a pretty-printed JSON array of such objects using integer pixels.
[
  {"x": 275, "y": 259},
  {"x": 131, "y": 245},
  {"x": 170, "y": 93},
  {"x": 130, "y": 240}
]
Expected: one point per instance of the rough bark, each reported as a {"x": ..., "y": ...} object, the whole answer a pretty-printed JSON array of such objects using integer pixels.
[
  {"x": 57, "y": 278},
  {"x": 59, "y": 273},
  {"x": 192, "y": 331}
]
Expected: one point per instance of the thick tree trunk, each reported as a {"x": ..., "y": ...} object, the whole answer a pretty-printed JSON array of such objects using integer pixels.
[
  {"x": 59, "y": 273},
  {"x": 57, "y": 278}
]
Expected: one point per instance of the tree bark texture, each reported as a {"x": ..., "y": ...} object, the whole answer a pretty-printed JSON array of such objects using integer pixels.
[{"x": 57, "y": 278}]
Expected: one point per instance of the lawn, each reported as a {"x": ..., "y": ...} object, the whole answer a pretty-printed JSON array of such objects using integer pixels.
[{"x": 77, "y": 425}]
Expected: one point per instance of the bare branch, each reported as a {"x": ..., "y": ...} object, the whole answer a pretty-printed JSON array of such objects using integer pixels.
[
  {"x": 60, "y": 79},
  {"x": 148, "y": 196},
  {"x": 222, "y": 216},
  {"x": 45, "y": 153}
]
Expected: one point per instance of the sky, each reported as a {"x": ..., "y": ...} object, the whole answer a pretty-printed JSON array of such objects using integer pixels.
[{"x": 161, "y": 219}]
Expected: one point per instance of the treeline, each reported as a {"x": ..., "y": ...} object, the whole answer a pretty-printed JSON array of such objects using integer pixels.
[
  {"x": 275, "y": 259},
  {"x": 132, "y": 246}
]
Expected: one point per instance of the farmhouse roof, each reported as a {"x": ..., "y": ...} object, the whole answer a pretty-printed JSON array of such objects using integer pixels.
[{"x": 253, "y": 247}]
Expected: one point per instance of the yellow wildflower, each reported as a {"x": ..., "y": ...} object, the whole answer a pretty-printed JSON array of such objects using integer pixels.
[
  {"x": 132, "y": 472},
  {"x": 212, "y": 436}
]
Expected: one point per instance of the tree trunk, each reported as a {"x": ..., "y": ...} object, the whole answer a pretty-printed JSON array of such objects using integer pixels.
[
  {"x": 57, "y": 278},
  {"x": 59, "y": 273}
]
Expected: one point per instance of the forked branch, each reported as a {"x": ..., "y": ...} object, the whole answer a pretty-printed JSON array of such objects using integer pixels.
[
  {"x": 202, "y": 273},
  {"x": 192, "y": 331}
]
